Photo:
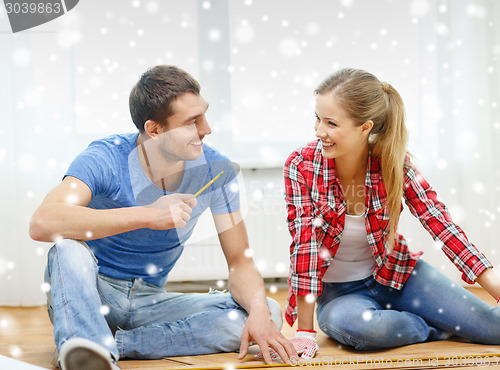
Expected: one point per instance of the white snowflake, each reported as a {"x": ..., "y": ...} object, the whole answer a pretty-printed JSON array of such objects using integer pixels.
[
  {"x": 310, "y": 298},
  {"x": 109, "y": 340},
  {"x": 45, "y": 287},
  {"x": 280, "y": 267},
  {"x": 15, "y": 351},
  {"x": 419, "y": 8},
  {"x": 475, "y": 10},
  {"x": 325, "y": 253},
  {"x": 244, "y": 33},
  {"x": 214, "y": 35},
  {"x": 442, "y": 164},
  {"x": 317, "y": 222},
  {"x": 312, "y": 29},
  {"x": 51, "y": 163},
  {"x": 72, "y": 198},
  {"x": 438, "y": 244},
  {"x": 27, "y": 163},
  {"x": 479, "y": 187},
  {"x": 21, "y": 57},
  {"x": 152, "y": 269},
  {"x": 68, "y": 38},
  {"x": 347, "y": 3},
  {"x": 233, "y": 315},
  {"x": 153, "y": 7},
  {"x": 104, "y": 310},
  {"x": 367, "y": 315},
  {"x": 208, "y": 65}
]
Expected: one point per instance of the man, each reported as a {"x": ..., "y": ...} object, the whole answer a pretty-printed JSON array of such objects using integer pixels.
[{"x": 120, "y": 218}]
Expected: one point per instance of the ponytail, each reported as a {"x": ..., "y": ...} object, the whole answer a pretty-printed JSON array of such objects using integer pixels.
[
  {"x": 365, "y": 98},
  {"x": 390, "y": 145}
]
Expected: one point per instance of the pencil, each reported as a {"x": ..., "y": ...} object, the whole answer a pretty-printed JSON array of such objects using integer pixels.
[{"x": 208, "y": 184}]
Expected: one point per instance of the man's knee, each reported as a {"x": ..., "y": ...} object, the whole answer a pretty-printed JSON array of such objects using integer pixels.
[
  {"x": 71, "y": 249},
  {"x": 73, "y": 255}
]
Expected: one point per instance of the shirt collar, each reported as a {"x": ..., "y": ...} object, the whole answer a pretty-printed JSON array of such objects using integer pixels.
[
  {"x": 373, "y": 170},
  {"x": 328, "y": 164},
  {"x": 372, "y": 180}
]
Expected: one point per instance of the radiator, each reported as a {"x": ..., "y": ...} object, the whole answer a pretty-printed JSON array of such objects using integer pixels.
[{"x": 264, "y": 210}]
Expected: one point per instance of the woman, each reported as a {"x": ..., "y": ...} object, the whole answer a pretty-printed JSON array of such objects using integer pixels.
[{"x": 344, "y": 196}]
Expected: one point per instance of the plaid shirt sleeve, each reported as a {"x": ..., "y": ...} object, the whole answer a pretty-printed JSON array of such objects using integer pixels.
[
  {"x": 304, "y": 250},
  {"x": 422, "y": 201},
  {"x": 305, "y": 261}
]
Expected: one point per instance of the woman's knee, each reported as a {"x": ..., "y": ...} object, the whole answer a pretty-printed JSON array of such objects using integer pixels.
[{"x": 363, "y": 331}]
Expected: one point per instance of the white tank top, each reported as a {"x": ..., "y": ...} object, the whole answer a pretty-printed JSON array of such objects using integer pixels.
[{"x": 354, "y": 259}]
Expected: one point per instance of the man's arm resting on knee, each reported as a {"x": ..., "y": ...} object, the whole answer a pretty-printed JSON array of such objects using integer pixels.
[
  {"x": 247, "y": 288},
  {"x": 64, "y": 214}
]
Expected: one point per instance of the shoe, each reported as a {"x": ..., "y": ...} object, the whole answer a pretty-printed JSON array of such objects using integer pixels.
[
  {"x": 55, "y": 359},
  {"x": 83, "y": 354}
]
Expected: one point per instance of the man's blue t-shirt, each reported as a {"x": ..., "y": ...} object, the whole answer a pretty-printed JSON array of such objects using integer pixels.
[{"x": 111, "y": 169}]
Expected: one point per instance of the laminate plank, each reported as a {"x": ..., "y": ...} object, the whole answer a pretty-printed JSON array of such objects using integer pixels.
[{"x": 26, "y": 335}]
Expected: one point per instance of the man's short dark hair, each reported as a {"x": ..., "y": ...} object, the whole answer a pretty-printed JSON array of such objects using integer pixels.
[{"x": 152, "y": 96}]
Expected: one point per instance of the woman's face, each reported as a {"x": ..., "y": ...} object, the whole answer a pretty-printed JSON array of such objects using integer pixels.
[{"x": 336, "y": 129}]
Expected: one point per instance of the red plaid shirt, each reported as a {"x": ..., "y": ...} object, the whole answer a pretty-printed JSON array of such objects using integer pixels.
[{"x": 316, "y": 217}]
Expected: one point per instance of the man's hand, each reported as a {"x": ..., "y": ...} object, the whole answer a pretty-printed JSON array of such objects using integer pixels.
[
  {"x": 261, "y": 329},
  {"x": 170, "y": 211}
]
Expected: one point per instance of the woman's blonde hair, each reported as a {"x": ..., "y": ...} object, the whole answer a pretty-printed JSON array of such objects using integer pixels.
[{"x": 366, "y": 98}]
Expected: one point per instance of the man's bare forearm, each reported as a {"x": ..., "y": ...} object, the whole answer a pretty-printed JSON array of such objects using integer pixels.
[
  {"x": 247, "y": 286},
  {"x": 64, "y": 220}
]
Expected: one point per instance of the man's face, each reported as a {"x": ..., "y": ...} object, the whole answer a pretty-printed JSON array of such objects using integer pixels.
[{"x": 182, "y": 137}]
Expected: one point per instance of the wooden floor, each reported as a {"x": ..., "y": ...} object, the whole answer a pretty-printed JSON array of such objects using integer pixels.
[{"x": 26, "y": 335}]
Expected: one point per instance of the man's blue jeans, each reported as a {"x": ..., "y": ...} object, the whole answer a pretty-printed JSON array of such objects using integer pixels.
[
  {"x": 367, "y": 315},
  {"x": 147, "y": 322}
]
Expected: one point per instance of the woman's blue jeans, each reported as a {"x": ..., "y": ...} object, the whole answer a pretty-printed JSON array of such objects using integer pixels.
[
  {"x": 147, "y": 322},
  {"x": 367, "y": 315}
]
